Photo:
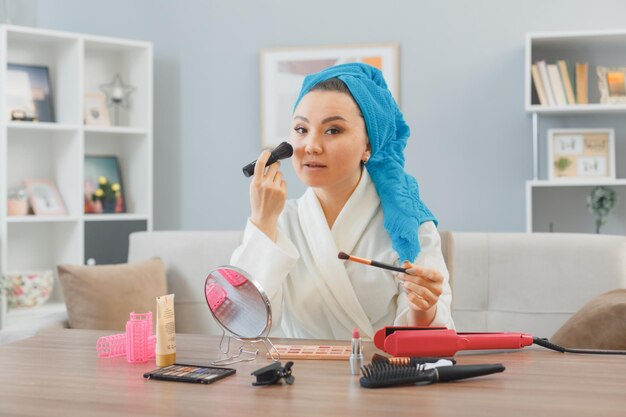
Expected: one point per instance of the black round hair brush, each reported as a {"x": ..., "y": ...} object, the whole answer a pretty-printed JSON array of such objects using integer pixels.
[
  {"x": 282, "y": 151},
  {"x": 381, "y": 374}
]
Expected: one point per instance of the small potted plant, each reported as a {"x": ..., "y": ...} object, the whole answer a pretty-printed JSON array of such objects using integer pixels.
[
  {"x": 107, "y": 194},
  {"x": 600, "y": 202}
]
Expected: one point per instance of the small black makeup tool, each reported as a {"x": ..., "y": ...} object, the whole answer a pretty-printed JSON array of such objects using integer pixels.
[
  {"x": 282, "y": 151},
  {"x": 272, "y": 373},
  {"x": 380, "y": 374}
]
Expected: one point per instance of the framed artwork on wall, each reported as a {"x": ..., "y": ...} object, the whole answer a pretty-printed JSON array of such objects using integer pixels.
[
  {"x": 612, "y": 85},
  {"x": 96, "y": 113},
  {"x": 579, "y": 154},
  {"x": 28, "y": 96},
  {"x": 44, "y": 197},
  {"x": 104, "y": 190},
  {"x": 284, "y": 69}
]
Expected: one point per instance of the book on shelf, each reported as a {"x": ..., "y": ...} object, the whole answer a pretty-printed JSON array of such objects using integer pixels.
[
  {"x": 560, "y": 84},
  {"x": 567, "y": 82},
  {"x": 538, "y": 83},
  {"x": 545, "y": 81},
  {"x": 582, "y": 71},
  {"x": 557, "y": 85}
]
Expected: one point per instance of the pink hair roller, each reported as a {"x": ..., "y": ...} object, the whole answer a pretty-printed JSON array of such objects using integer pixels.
[
  {"x": 138, "y": 343},
  {"x": 215, "y": 295},
  {"x": 235, "y": 278},
  {"x": 111, "y": 346},
  {"x": 138, "y": 330}
]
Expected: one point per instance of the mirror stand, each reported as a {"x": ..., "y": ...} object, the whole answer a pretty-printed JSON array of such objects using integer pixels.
[
  {"x": 244, "y": 355},
  {"x": 243, "y": 312}
]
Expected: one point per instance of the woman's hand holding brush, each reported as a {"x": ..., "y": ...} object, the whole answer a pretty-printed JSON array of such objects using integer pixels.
[
  {"x": 423, "y": 286},
  {"x": 268, "y": 194}
]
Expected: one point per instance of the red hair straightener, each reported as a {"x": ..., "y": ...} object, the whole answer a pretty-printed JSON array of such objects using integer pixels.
[{"x": 441, "y": 341}]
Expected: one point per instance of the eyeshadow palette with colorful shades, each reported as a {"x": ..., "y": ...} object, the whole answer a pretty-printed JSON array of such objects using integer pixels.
[
  {"x": 314, "y": 352},
  {"x": 179, "y": 372}
]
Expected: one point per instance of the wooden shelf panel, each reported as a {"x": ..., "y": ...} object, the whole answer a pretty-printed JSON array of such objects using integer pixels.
[
  {"x": 42, "y": 126},
  {"x": 577, "y": 183},
  {"x": 578, "y": 108},
  {"x": 41, "y": 219},
  {"x": 114, "y": 217}
]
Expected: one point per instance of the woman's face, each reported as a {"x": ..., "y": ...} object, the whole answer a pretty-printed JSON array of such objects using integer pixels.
[{"x": 329, "y": 140}]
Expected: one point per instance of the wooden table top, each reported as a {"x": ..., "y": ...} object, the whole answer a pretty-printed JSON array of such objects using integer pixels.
[{"x": 57, "y": 373}]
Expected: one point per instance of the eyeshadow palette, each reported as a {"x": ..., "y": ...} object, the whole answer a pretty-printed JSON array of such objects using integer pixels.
[
  {"x": 313, "y": 352},
  {"x": 189, "y": 373}
]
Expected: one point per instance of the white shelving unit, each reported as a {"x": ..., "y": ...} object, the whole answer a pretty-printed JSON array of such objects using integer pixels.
[
  {"x": 77, "y": 64},
  {"x": 565, "y": 199}
]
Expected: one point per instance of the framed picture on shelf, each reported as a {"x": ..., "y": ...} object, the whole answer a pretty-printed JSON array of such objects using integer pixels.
[
  {"x": 611, "y": 82},
  {"x": 44, "y": 197},
  {"x": 96, "y": 113},
  {"x": 579, "y": 154},
  {"x": 104, "y": 189},
  {"x": 284, "y": 69},
  {"x": 28, "y": 96}
]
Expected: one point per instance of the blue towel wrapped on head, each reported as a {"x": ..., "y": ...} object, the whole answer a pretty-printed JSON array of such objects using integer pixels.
[{"x": 387, "y": 131}]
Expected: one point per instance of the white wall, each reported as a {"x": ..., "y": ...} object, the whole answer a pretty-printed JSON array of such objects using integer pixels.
[
  {"x": 18, "y": 12},
  {"x": 461, "y": 76}
]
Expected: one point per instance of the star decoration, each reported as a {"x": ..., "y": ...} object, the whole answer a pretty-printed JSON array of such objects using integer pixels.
[{"x": 117, "y": 94}]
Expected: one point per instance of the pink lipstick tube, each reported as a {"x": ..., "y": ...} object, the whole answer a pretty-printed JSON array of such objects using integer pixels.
[{"x": 356, "y": 356}]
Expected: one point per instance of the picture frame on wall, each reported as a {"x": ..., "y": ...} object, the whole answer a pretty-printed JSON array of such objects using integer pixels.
[
  {"x": 96, "y": 112},
  {"x": 284, "y": 69},
  {"x": 103, "y": 188},
  {"x": 28, "y": 96},
  {"x": 612, "y": 84},
  {"x": 44, "y": 197},
  {"x": 581, "y": 154}
]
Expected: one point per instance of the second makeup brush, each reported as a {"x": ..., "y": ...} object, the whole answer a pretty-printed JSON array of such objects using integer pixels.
[{"x": 345, "y": 256}]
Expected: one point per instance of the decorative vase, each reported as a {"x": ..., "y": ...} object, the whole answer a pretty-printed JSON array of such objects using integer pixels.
[
  {"x": 17, "y": 207},
  {"x": 108, "y": 205},
  {"x": 17, "y": 203}
]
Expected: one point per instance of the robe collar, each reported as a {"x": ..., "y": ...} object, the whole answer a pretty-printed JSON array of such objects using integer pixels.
[{"x": 325, "y": 244}]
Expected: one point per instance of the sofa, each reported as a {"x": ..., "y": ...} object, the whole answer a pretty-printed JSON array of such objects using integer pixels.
[{"x": 526, "y": 282}]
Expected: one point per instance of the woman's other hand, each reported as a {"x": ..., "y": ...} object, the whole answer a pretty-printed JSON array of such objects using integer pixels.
[
  {"x": 268, "y": 194},
  {"x": 423, "y": 287}
]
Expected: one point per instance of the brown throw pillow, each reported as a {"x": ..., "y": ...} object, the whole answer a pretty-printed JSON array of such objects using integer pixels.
[
  {"x": 102, "y": 297},
  {"x": 600, "y": 324}
]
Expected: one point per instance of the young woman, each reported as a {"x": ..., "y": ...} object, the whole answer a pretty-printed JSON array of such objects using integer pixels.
[{"x": 348, "y": 137}]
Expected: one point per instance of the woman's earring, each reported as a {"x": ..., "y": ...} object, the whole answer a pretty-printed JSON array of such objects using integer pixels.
[{"x": 364, "y": 160}]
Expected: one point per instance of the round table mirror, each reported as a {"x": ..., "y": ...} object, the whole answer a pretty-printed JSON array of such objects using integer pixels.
[{"x": 242, "y": 310}]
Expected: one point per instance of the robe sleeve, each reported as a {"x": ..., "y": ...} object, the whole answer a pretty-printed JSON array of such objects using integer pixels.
[
  {"x": 430, "y": 256},
  {"x": 267, "y": 262}
]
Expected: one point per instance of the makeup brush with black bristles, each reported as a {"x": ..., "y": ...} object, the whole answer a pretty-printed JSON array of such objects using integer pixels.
[
  {"x": 345, "y": 256},
  {"x": 282, "y": 151},
  {"x": 413, "y": 361}
]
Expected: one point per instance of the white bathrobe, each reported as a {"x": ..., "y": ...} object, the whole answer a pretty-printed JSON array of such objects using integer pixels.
[{"x": 314, "y": 294}]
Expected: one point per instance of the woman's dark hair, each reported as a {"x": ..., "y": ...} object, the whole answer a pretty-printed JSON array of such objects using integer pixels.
[
  {"x": 332, "y": 84},
  {"x": 335, "y": 84}
]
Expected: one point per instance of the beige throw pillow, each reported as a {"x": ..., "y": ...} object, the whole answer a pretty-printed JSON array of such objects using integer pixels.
[
  {"x": 599, "y": 324},
  {"x": 102, "y": 297}
]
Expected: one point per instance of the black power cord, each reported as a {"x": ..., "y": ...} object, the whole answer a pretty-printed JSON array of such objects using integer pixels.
[{"x": 547, "y": 344}]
